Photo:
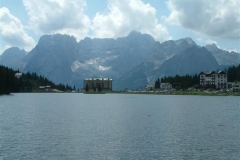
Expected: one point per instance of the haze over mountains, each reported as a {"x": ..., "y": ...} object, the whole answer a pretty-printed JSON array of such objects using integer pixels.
[{"x": 132, "y": 61}]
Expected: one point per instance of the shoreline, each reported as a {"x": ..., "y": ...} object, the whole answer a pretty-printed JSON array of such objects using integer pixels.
[{"x": 194, "y": 93}]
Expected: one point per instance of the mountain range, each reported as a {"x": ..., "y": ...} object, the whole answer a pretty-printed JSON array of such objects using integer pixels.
[{"x": 132, "y": 61}]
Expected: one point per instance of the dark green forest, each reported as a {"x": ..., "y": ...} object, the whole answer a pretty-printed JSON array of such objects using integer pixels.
[
  {"x": 179, "y": 82},
  {"x": 28, "y": 82},
  {"x": 184, "y": 82},
  {"x": 234, "y": 74}
]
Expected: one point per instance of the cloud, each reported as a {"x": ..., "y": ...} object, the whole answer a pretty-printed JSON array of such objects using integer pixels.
[
  {"x": 123, "y": 16},
  {"x": 12, "y": 31},
  {"x": 89, "y": 65},
  {"x": 231, "y": 50},
  {"x": 209, "y": 41},
  {"x": 213, "y": 18},
  {"x": 55, "y": 16},
  {"x": 67, "y": 17}
]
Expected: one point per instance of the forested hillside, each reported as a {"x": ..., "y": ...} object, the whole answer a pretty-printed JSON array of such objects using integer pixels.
[{"x": 26, "y": 83}]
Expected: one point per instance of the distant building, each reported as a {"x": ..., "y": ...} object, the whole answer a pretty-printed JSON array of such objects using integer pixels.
[
  {"x": 236, "y": 87},
  {"x": 41, "y": 87},
  {"x": 230, "y": 84},
  {"x": 165, "y": 86},
  {"x": 219, "y": 79},
  {"x": 149, "y": 87},
  {"x": 18, "y": 75},
  {"x": 45, "y": 88},
  {"x": 94, "y": 83}
]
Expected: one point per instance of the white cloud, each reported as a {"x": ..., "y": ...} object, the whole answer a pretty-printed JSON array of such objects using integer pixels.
[
  {"x": 209, "y": 41},
  {"x": 12, "y": 31},
  {"x": 89, "y": 64},
  {"x": 67, "y": 17},
  {"x": 123, "y": 16},
  {"x": 58, "y": 16},
  {"x": 204, "y": 42},
  {"x": 231, "y": 50},
  {"x": 213, "y": 18}
]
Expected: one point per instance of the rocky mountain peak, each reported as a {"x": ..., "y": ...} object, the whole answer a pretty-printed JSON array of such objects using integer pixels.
[
  {"x": 134, "y": 33},
  {"x": 212, "y": 47},
  {"x": 185, "y": 41},
  {"x": 193, "y": 60},
  {"x": 190, "y": 41},
  {"x": 11, "y": 56},
  {"x": 56, "y": 39},
  {"x": 223, "y": 57},
  {"x": 139, "y": 38}
]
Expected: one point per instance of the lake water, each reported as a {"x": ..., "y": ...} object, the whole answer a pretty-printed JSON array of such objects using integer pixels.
[{"x": 119, "y": 126}]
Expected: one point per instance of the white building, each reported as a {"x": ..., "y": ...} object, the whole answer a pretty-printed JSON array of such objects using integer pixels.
[
  {"x": 18, "y": 75},
  {"x": 149, "y": 87},
  {"x": 236, "y": 87},
  {"x": 165, "y": 86},
  {"x": 219, "y": 79}
]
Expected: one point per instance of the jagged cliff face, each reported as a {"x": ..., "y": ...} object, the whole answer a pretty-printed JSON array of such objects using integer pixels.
[
  {"x": 132, "y": 61},
  {"x": 146, "y": 72},
  {"x": 191, "y": 61},
  {"x": 113, "y": 57},
  {"x": 52, "y": 57},
  {"x": 64, "y": 60},
  {"x": 11, "y": 57},
  {"x": 224, "y": 57}
]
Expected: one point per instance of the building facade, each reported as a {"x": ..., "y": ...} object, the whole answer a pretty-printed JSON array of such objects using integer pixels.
[
  {"x": 149, "y": 87},
  {"x": 18, "y": 75},
  {"x": 165, "y": 86},
  {"x": 95, "y": 83},
  {"x": 236, "y": 87},
  {"x": 219, "y": 79}
]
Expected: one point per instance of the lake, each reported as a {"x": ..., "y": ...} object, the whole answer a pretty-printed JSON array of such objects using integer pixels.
[{"x": 73, "y": 126}]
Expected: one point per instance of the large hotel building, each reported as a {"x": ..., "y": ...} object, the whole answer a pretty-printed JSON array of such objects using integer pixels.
[
  {"x": 219, "y": 79},
  {"x": 94, "y": 83}
]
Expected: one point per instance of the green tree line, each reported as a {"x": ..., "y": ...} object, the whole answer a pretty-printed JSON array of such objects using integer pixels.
[
  {"x": 180, "y": 82},
  {"x": 26, "y": 83},
  {"x": 234, "y": 74},
  {"x": 187, "y": 81}
]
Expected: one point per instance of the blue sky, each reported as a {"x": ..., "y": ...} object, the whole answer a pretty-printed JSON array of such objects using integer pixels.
[{"x": 23, "y": 22}]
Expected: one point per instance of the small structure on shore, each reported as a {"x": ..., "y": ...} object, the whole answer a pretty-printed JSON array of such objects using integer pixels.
[
  {"x": 18, "y": 75},
  {"x": 45, "y": 88},
  {"x": 162, "y": 87},
  {"x": 149, "y": 87},
  {"x": 236, "y": 87}
]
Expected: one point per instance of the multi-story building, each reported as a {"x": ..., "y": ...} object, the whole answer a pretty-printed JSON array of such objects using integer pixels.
[
  {"x": 94, "y": 84},
  {"x": 236, "y": 87},
  {"x": 165, "y": 86},
  {"x": 219, "y": 79}
]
